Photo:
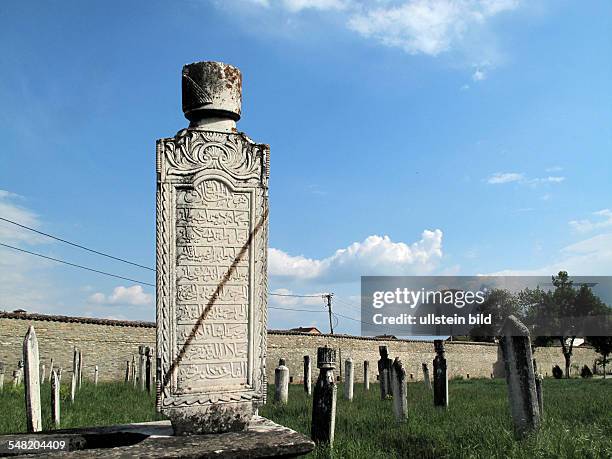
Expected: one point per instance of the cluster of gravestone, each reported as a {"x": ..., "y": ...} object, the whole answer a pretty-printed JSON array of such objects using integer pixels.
[
  {"x": 211, "y": 248},
  {"x": 140, "y": 373},
  {"x": 32, "y": 374},
  {"x": 524, "y": 384}
]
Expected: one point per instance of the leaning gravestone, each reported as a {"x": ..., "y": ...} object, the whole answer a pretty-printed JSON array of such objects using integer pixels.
[{"x": 520, "y": 376}]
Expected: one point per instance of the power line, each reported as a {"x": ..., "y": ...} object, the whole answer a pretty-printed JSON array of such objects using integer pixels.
[
  {"x": 77, "y": 245},
  {"x": 75, "y": 265},
  {"x": 296, "y": 296},
  {"x": 293, "y": 309}
]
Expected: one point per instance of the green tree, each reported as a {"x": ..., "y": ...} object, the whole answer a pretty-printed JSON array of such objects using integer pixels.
[
  {"x": 603, "y": 346},
  {"x": 553, "y": 314}
]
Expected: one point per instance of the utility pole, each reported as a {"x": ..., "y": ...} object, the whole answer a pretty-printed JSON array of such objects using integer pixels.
[{"x": 328, "y": 297}]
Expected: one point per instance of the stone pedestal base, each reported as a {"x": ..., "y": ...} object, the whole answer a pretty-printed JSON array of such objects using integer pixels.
[
  {"x": 217, "y": 418},
  {"x": 262, "y": 438}
]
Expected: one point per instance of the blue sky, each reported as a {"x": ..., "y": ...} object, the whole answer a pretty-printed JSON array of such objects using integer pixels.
[{"x": 407, "y": 137}]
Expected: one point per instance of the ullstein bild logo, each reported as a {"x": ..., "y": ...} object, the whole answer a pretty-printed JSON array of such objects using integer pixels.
[{"x": 478, "y": 305}]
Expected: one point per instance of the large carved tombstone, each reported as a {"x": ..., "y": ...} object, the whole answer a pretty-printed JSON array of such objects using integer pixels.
[{"x": 212, "y": 224}]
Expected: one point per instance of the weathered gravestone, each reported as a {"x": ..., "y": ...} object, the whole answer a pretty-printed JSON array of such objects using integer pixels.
[
  {"x": 324, "y": 398},
  {"x": 32, "y": 381},
  {"x": 366, "y": 375},
  {"x": 96, "y": 375},
  {"x": 520, "y": 377},
  {"x": 349, "y": 380},
  {"x": 127, "y": 371},
  {"x": 142, "y": 367},
  {"x": 55, "y": 399},
  {"x": 212, "y": 230},
  {"x": 384, "y": 372},
  {"x": 134, "y": 376},
  {"x": 440, "y": 375},
  {"x": 538, "y": 382},
  {"x": 148, "y": 370},
  {"x": 426, "y": 379},
  {"x": 281, "y": 383},
  {"x": 307, "y": 375},
  {"x": 42, "y": 373},
  {"x": 51, "y": 371},
  {"x": 1, "y": 376},
  {"x": 398, "y": 383}
]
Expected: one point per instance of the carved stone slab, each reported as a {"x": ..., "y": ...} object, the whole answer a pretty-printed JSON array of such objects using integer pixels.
[{"x": 212, "y": 221}]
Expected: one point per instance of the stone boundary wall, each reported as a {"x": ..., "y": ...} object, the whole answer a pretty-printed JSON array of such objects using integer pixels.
[{"x": 110, "y": 343}]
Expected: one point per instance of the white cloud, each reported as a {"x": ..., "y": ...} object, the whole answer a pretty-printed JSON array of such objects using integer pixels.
[
  {"x": 505, "y": 177},
  {"x": 425, "y": 26},
  {"x": 376, "y": 255},
  {"x": 299, "y": 5},
  {"x": 589, "y": 257},
  {"x": 429, "y": 27},
  {"x": 11, "y": 210},
  {"x": 133, "y": 296},
  {"x": 584, "y": 226},
  {"x": 508, "y": 177}
]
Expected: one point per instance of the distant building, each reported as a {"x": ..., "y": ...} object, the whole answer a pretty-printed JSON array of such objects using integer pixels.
[
  {"x": 311, "y": 330},
  {"x": 385, "y": 337}
]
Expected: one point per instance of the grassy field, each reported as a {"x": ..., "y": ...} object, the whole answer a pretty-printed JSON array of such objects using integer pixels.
[{"x": 477, "y": 424}]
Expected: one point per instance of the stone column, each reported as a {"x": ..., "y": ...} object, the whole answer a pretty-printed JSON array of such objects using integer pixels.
[
  {"x": 307, "y": 375},
  {"x": 55, "y": 399},
  {"x": 366, "y": 375},
  {"x": 32, "y": 381},
  {"x": 440, "y": 375},
  {"x": 281, "y": 383},
  {"x": 520, "y": 376},
  {"x": 426, "y": 379},
  {"x": 212, "y": 225},
  {"x": 127, "y": 371},
  {"x": 400, "y": 403},
  {"x": 96, "y": 375},
  {"x": 42, "y": 373},
  {"x": 148, "y": 369},
  {"x": 324, "y": 398},
  {"x": 384, "y": 372},
  {"x": 1, "y": 377},
  {"x": 349, "y": 379}
]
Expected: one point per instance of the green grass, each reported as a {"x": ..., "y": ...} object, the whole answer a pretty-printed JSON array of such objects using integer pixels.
[
  {"x": 108, "y": 403},
  {"x": 577, "y": 421}
]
